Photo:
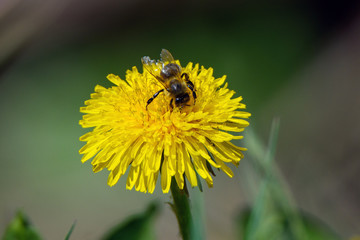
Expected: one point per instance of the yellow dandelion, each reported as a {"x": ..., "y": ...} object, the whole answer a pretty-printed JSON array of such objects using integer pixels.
[{"x": 168, "y": 119}]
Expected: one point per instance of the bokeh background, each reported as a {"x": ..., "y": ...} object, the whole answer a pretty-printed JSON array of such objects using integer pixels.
[{"x": 296, "y": 60}]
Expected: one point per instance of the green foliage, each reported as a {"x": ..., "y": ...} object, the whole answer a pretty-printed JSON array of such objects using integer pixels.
[
  {"x": 276, "y": 226},
  {"x": 139, "y": 227},
  {"x": 274, "y": 215},
  {"x": 70, "y": 231},
  {"x": 20, "y": 228}
]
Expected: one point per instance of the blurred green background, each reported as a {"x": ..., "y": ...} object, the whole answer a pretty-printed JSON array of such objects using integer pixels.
[{"x": 296, "y": 60}]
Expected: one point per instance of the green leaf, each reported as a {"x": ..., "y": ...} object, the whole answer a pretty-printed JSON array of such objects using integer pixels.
[
  {"x": 274, "y": 214},
  {"x": 138, "y": 227},
  {"x": 20, "y": 228},
  {"x": 317, "y": 230},
  {"x": 278, "y": 228}
]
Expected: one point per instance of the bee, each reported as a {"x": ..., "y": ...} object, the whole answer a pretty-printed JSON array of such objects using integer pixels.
[{"x": 176, "y": 83}]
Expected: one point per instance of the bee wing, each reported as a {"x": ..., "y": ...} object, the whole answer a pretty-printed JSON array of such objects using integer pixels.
[
  {"x": 153, "y": 67},
  {"x": 166, "y": 56}
]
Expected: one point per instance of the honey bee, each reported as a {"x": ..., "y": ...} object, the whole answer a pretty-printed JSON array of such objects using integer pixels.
[{"x": 176, "y": 83}]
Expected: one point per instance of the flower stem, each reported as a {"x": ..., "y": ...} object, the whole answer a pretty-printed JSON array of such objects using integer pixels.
[{"x": 181, "y": 208}]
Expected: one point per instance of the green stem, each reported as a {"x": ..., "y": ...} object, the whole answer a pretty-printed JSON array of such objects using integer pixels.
[{"x": 181, "y": 208}]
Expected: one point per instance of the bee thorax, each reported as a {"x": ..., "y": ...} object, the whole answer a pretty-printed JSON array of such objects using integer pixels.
[
  {"x": 170, "y": 70},
  {"x": 175, "y": 87}
]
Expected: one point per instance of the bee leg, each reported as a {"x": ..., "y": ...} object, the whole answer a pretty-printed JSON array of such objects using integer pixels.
[
  {"x": 189, "y": 84},
  {"x": 153, "y": 97},
  {"x": 186, "y": 77},
  {"x": 171, "y": 104},
  {"x": 193, "y": 92}
]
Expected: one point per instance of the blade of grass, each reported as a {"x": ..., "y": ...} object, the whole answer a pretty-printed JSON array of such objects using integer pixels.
[
  {"x": 274, "y": 214},
  {"x": 279, "y": 198},
  {"x": 70, "y": 231}
]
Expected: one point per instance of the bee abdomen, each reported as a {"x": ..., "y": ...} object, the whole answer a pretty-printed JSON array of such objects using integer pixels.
[{"x": 182, "y": 99}]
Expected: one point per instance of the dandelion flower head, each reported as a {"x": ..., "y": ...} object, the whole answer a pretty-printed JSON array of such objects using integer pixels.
[{"x": 161, "y": 138}]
